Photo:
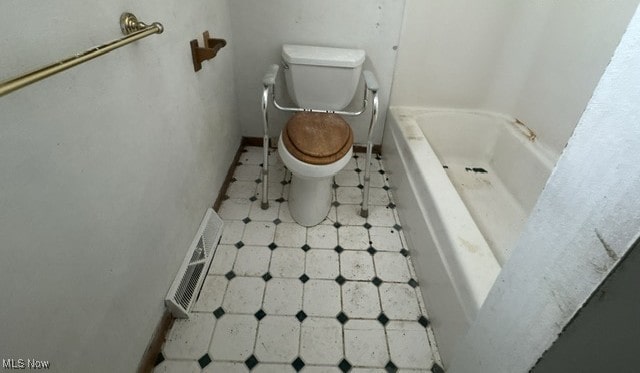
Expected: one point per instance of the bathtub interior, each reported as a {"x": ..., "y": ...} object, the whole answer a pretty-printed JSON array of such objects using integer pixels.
[{"x": 496, "y": 168}]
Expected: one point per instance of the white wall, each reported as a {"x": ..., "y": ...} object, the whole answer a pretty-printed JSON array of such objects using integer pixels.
[
  {"x": 586, "y": 219},
  {"x": 603, "y": 337},
  {"x": 107, "y": 170},
  {"x": 537, "y": 61},
  {"x": 261, "y": 27}
]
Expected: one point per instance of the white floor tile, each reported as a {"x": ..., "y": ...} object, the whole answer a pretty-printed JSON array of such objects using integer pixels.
[
  {"x": 352, "y": 165},
  {"x": 287, "y": 262},
  {"x": 283, "y": 296},
  {"x": 322, "y": 237},
  {"x": 234, "y": 338},
  {"x": 258, "y": 214},
  {"x": 371, "y": 370},
  {"x": 321, "y": 298},
  {"x": 356, "y": 265},
  {"x": 365, "y": 344},
  {"x": 378, "y": 196},
  {"x": 273, "y": 368},
  {"x": 247, "y": 172},
  {"x": 277, "y": 340},
  {"x": 244, "y": 295},
  {"x": 360, "y": 300},
  {"x": 399, "y": 301},
  {"x": 321, "y": 341},
  {"x": 381, "y": 216},
  {"x": 275, "y": 191},
  {"x": 290, "y": 235},
  {"x": 321, "y": 369},
  {"x": 385, "y": 238},
  {"x": 211, "y": 294},
  {"x": 235, "y": 209},
  {"x": 350, "y": 215},
  {"x": 276, "y": 172},
  {"x": 223, "y": 366},
  {"x": 284, "y": 214},
  {"x": 259, "y": 233},
  {"x": 252, "y": 157},
  {"x": 347, "y": 178},
  {"x": 252, "y": 261},
  {"x": 377, "y": 180},
  {"x": 174, "y": 366},
  {"x": 353, "y": 238},
  {"x": 409, "y": 345},
  {"x": 232, "y": 232},
  {"x": 351, "y": 195},
  {"x": 322, "y": 264},
  {"x": 331, "y": 217},
  {"x": 392, "y": 266},
  {"x": 223, "y": 260},
  {"x": 189, "y": 338},
  {"x": 242, "y": 189}
]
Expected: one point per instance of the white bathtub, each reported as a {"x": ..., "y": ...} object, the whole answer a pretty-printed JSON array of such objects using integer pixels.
[{"x": 460, "y": 221}]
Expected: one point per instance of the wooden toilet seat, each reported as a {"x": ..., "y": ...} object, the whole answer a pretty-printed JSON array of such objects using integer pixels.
[{"x": 317, "y": 138}]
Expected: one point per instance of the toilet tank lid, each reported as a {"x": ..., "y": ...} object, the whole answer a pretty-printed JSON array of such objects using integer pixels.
[{"x": 322, "y": 56}]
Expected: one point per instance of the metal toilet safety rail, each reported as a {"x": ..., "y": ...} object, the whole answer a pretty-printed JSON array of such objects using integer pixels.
[{"x": 269, "y": 90}]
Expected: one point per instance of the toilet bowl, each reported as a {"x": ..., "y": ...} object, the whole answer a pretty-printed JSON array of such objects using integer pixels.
[
  {"x": 316, "y": 144},
  {"x": 314, "y": 147}
]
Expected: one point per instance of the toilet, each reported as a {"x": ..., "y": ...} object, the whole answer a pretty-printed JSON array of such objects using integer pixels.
[{"x": 314, "y": 145}]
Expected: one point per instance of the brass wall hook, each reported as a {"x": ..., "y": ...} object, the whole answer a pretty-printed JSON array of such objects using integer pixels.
[{"x": 206, "y": 52}]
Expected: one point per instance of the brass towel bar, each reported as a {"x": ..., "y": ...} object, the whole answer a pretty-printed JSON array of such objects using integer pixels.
[{"x": 130, "y": 26}]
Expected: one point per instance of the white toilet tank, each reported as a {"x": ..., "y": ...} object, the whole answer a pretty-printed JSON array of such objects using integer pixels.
[{"x": 320, "y": 77}]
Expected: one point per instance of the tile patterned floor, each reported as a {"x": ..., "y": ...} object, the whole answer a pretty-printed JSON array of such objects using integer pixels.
[{"x": 341, "y": 296}]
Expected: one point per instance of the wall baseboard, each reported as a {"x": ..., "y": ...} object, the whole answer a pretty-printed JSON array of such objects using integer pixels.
[
  {"x": 227, "y": 180},
  {"x": 148, "y": 361}
]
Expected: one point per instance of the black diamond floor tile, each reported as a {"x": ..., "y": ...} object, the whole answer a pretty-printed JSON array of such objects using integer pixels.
[
  {"x": 301, "y": 316},
  {"x": 383, "y": 319},
  {"x": 204, "y": 360},
  {"x": 251, "y": 362},
  {"x": 413, "y": 283},
  {"x": 239, "y": 244},
  {"x": 339, "y": 249},
  {"x": 342, "y": 318},
  {"x": 435, "y": 368},
  {"x": 305, "y": 247},
  {"x": 230, "y": 275},
  {"x": 159, "y": 359},
  {"x": 423, "y": 321},
  {"x": 377, "y": 281},
  {"x": 304, "y": 278},
  {"x": 404, "y": 252},
  {"x": 371, "y": 250},
  {"x": 218, "y": 313},
  {"x": 298, "y": 364},
  {"x": 391, "y": 367},
  {"x": 340, "y": 280},
  {"x": 260, "y": 315},
  {"x": 267, "y": 276},
  {"x": 273, "y": 246},
  {"x": 344, "y": 366},
  {"x": 246, "y": 220}
]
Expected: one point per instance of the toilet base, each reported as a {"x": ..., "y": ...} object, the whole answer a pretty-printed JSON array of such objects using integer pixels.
[{"x": 310, "y": 199}]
